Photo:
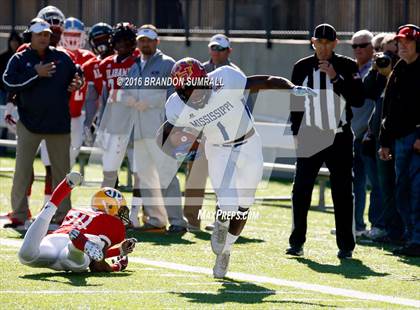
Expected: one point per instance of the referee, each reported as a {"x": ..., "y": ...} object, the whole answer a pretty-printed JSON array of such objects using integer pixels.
[{"x": 321, "y": 127}]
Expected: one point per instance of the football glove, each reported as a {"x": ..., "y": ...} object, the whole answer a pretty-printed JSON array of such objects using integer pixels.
[
  {"x": 303, "y": 91},
  {"x": 94, "y": 251},
  {"x": 120, "y": 263},
  {"x": 73, "y": 234},
  {"x": 8, "y": 117},
  {"x": 128, "y": 246}
]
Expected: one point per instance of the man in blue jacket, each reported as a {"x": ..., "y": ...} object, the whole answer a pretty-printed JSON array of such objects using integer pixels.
[{"x": 43, "y": 79}]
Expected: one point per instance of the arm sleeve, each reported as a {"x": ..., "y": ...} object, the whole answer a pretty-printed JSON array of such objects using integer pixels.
[
  {"x": 91, "y": 104},
  {"x": 15, "y": 78},
  {"x": 350, "y": 85},
  {"x": 297, "y": 104},
  {"x": 232, "y": 78},
  {"x": 113, "y": 251}
]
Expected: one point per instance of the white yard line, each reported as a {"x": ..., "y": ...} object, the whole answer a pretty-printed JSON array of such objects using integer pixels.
[{"x": 324, "y": 289}]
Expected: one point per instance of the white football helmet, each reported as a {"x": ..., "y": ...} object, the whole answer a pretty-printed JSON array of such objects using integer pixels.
[
  {"x": 74, "y": 36},
  {"x": 52, "y": 15}
]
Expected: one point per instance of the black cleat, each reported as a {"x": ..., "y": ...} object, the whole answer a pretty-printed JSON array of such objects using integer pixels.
[
  {"x": 295, "y": 251},
  {"x": 342, "y": 254},
  {"x": 175, "y": 229}
]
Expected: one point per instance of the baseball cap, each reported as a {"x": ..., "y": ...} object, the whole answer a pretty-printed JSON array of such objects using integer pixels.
[
  {"x": 408, "y": 32},
  {"x": 219, "y": 39},
  {"x": 325, "y": 31},
  {"x": 39, "y": 26},
  {"x": 148, "y": 33}
]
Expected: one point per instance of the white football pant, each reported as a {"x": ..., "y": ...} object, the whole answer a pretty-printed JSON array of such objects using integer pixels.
[{"x": 235, "y": 172}]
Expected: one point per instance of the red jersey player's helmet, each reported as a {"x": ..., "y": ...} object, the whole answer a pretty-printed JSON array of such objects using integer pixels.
[
  {"x": 123, "y": 30},
  {"x": 190, "y": 81},
  {"x": 73, "y": 36},
  {"x": 55, "y": 18},
  {"x": 99, "y": 39},
  {"x": 110, "y": 201}
]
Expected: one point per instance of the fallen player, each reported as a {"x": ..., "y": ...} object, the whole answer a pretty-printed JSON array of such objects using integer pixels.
[{"x": 85, "y": 238}]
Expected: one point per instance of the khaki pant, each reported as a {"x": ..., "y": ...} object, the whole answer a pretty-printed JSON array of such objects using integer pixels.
[
  {"x": 159, "y": 185},
  {"x": 58, "y": 146},
  {"x": 195, "y": 187}
]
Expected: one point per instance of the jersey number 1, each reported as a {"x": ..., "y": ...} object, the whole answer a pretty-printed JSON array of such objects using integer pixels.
[{"x": 223, "y": 131}]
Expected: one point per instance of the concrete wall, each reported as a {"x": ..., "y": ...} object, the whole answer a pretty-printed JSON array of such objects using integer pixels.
[{"x": 251, "y": 55}]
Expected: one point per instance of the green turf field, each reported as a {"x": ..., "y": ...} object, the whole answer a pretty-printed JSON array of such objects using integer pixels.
[{"x": 262, "y": 276}]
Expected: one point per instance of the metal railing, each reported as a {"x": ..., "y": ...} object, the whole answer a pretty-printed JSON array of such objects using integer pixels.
[{"x": 251, "y": 18}]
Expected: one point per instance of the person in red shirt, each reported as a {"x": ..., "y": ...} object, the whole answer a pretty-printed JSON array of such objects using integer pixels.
[
  {"x": 114, "y": 136},
  {"x": 99, "y": 41},
  {"x": 85, "y": 238},
  {"x": 73, "y": 39}
]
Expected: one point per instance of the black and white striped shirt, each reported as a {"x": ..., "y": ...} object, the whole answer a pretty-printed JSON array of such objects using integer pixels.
[{"x": 331, "y": 109}]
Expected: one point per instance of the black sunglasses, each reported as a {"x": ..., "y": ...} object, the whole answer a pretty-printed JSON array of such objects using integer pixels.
[
  {"x": 218, "y": 48},
  {"x": 361, "y": 45}
]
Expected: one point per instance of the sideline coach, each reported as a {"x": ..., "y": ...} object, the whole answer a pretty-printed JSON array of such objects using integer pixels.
[{"x": 43, "y": 78}]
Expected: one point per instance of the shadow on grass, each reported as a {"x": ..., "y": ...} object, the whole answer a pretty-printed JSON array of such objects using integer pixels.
[
  {"x": 158, "y": 238},
  {"x": 281, "y": 204},
  {"x": 169, "y": 239},
  {"x": 389, "y": 247},
  {"x": 349, "y": 268},
  {"x": 73, "y": 278},
  {"x": 204, "y": 235},
  {"x": 233, "y": 291}
]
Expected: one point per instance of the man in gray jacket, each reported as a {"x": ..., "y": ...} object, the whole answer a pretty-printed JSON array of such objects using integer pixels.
[{"x": 146, "y": 94}]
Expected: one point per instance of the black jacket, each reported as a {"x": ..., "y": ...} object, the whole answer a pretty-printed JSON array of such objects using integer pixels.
[
  {"x": 349, "y": 85},
  {"x": 43, "y": 103},
  {"x": 401, "y": 107}
]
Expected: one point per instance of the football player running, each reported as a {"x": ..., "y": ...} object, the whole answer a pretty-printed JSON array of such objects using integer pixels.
[
  {"x": 73, "y": 39},
  {"x": 233, "y": 147},
  {"x": 85, "y": 238}
]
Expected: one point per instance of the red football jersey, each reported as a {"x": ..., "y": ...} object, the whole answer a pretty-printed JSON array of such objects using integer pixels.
[
  {"x": 92, "y": 76},
  {"x": 111, "y": 70},
  {"x": 107, "y": 227},
  {"x": 78, "y": 97}
]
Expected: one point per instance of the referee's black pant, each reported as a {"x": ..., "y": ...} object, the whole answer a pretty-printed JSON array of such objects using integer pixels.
[{"x": 338, "y": 158}]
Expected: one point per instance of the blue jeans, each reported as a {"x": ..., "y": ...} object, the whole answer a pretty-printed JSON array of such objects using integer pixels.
[
  {"x": 365, "y": 166},
  {"x": 407, "y": 168},
  {"x": 391, "y": 218}
]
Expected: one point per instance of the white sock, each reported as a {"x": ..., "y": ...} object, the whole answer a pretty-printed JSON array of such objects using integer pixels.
[
  {"x": 48, "y": 211},
  {"x": 47, "y": 198},
  {"x": 230, "y": 240}
]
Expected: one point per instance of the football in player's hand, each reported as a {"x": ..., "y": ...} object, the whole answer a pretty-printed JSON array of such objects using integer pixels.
[{"x": 178, "y": 137}]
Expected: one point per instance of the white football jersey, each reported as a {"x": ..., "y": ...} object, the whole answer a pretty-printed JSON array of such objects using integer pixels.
[{"x": 225, "y": 117}]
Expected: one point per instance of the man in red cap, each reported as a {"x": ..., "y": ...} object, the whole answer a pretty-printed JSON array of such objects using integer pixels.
[{"x": 401, "y": 123}]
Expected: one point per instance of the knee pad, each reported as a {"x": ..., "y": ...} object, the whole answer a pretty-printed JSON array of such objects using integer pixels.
[{"x": 26, "y": 257}]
